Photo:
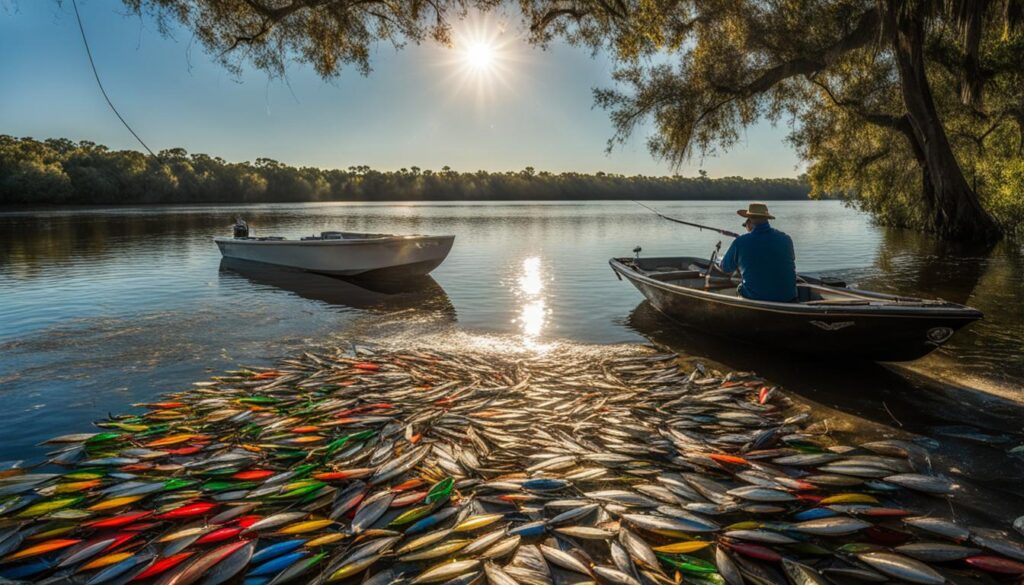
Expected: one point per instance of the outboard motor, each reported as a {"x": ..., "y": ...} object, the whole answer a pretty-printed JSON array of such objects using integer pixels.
[{"x": 241, "y": 228}]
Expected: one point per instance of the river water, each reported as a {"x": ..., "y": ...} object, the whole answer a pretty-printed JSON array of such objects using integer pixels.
[{"x": 102, "y": 308}]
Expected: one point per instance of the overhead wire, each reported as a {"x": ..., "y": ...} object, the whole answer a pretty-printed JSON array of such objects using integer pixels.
[{"x": 96, "y": 74}]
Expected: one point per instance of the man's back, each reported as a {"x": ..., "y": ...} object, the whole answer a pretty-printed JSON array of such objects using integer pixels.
[{"x": 767, "y": 262}]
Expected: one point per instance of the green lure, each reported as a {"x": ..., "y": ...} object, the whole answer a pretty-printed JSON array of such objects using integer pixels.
[
  {"x": 440, "y": 491},
  {"x": 688, "y": 563}
]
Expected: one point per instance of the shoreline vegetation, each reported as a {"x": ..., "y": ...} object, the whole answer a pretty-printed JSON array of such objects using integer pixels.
[{"x": 59, "y": 171}]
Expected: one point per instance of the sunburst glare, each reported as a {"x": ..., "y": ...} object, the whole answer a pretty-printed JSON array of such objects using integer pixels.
[{"x": 481, "y": 59}]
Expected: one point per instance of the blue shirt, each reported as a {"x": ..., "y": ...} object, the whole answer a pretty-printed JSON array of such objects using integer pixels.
[{"x": 766, "y": 260}]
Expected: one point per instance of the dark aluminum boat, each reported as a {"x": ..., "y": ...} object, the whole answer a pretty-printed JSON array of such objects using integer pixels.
[{"x": 828, "y": 318}]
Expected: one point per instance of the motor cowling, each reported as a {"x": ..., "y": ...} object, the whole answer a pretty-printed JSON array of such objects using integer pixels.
[{"x": 241, "y": 229}]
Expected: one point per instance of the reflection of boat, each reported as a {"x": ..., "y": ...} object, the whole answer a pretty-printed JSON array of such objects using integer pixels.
[
  {"x": 342, "y": 253},
  {"x": 829, "y": 319},
  {"x": 420, "y": 292}
]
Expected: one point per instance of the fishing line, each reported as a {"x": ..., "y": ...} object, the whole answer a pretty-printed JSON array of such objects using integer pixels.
[
  {"x": 689, "y": 223},
  {"x": 96, "y": 74}
]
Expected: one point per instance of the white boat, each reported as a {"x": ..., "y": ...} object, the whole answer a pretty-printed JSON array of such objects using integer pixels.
[{"x": 341, "y": 253}]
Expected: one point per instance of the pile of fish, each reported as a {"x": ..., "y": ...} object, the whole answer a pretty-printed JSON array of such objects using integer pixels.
[{"x": 425, "y": 467}]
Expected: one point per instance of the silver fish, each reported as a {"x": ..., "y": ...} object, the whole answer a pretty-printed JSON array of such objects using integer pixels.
[
  {"x": 446, "y": 571},
  {"x": 614, "y": 576},
  {"x": 801, "y": 574},
  {"x": 761, "y": 494},
  {"x": 901, "y": 567},
  {"x": 371, "y": 509},
  {"x": 496, "y": 576},
  {"x": 727, "y": 568},
  {"x": 563, "y": 559},
  {"x": 936, "y": 552},
  {"x": 939, "y": 526},
  {"x": 929, "y": 484},
  {"x": 836, "y": 526}
]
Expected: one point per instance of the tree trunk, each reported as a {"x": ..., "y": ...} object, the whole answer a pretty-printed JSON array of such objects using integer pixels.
[
  {"x": 953, "y": 208},
  {"x": 904, "y": 127}
]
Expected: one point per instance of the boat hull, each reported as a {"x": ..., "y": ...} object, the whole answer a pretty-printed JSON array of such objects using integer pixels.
[
  {"x": 398, "y": 256},
  {"x": 842, "y": 332},
  {"x": 379, "y": 294}
]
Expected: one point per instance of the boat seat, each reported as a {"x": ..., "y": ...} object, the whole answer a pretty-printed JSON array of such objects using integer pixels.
[
  {"x": 806, "y": 294},
  {"x": 713, "y": 285}
]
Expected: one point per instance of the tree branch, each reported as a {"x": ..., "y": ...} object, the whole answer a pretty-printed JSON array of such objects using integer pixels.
[
  {"x": 861, "y": 35},
  {"x": 870, "y": 159},
  {"x": 556, "y": 13},
  {"x": 273, "y": 16},
  {"x": 877, "y": 118}
]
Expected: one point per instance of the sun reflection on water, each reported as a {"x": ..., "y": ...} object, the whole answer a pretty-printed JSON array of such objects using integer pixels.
[{"x": 534, "y": 312}]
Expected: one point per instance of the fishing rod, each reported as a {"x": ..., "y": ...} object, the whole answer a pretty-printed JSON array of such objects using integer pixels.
[
  {"x": 718, "y": 247},
  {"x": 689, "y": 223}
]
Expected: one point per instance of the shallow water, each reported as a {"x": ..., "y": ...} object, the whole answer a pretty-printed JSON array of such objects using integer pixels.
[{"x": 103, "y": 308}]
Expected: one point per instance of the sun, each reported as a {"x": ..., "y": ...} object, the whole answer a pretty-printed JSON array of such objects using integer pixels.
[
  {"x": 480, "y": 55},
  {"x": 482, "y": 60}
]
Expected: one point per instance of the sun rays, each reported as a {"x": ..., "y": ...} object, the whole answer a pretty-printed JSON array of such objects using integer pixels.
[{"x": 481, "y": 62}]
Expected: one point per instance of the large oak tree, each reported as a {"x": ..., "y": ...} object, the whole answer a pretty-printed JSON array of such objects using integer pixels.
[{"x": 856, "y": 77}]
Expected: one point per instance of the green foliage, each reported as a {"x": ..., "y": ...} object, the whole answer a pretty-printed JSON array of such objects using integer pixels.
[
  {"x": 1001, "y": 179},
  {"x": 33, "y": 171},
  {"x": 61, "y": 171},
  {"x": 328, "y": 35},
  {"x": 1004, "y": 198}
]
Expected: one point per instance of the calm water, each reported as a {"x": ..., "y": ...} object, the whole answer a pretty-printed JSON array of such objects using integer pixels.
[{"x": 103, "y": 308}]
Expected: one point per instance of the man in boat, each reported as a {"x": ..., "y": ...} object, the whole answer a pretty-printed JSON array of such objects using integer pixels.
[{"x": 764, "y": 256}]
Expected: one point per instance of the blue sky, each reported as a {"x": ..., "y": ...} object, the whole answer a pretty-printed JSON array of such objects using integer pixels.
[{"x": 420, "y": 106}]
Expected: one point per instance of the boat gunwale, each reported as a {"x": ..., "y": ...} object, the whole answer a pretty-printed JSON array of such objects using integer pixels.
[
  {"x": 337, "y": 242},
  {"x": 956, "y": 311}
]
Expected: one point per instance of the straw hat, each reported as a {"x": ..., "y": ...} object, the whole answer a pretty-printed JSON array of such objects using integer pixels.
[{"x": 756, "y": 211}]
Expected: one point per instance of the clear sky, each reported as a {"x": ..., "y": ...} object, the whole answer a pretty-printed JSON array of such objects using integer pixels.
[{"x": 503, "y": 107}]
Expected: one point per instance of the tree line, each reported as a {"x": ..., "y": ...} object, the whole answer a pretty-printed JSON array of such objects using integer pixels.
[{"x": 61, "y": 171}]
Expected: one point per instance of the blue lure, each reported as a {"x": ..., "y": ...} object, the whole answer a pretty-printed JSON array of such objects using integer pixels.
[
  {"x": 814, "y": 514},
  {"x": 276, "y": 550},
  {"x": 277, "y": 565},
  {"x": 27, "y": 570},
  {"x": 431, "y": 521},
  {"x": 528, "y": 530}
]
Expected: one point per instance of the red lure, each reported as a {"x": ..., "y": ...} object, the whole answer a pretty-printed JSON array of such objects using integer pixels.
[
  {"x": 219, "y": 535},
  {"x": 188, "y": 511},
  {"x": 116, "y": 521},
  {"x": 162, "y": 565},
  {"x": 755, "y": 551}
]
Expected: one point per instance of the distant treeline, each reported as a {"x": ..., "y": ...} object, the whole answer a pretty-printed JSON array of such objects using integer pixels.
[{"x": 60, "y": 171}]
